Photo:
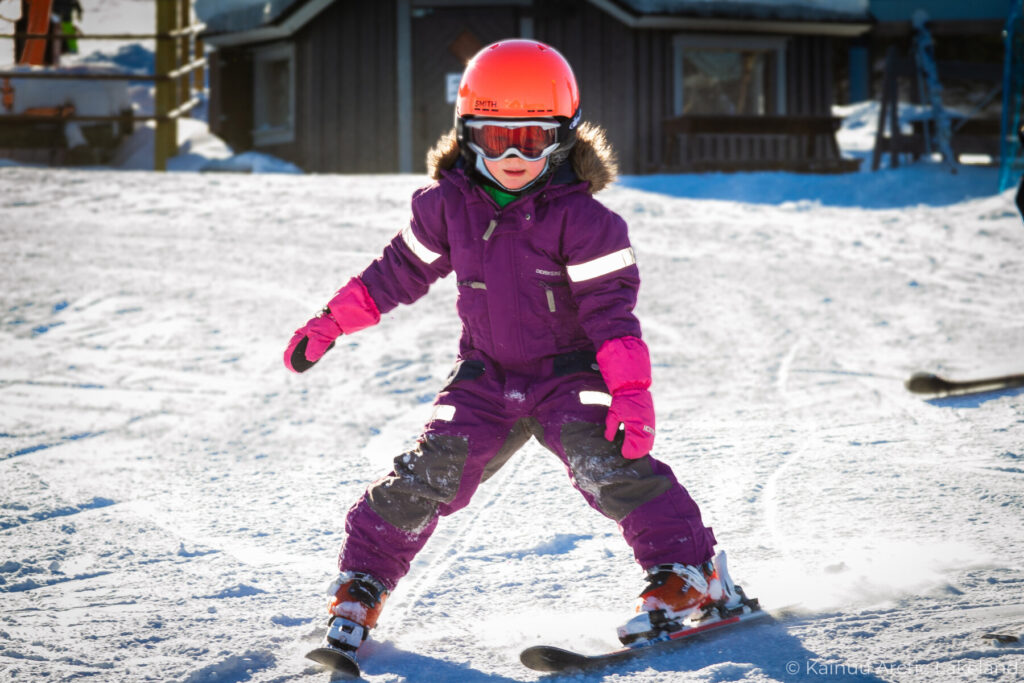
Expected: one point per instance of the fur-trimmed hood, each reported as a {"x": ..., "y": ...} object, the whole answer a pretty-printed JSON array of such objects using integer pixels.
[{"x": 592, "y": 157}]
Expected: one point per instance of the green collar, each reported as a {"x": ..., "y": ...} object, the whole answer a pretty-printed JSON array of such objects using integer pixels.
[{"x": 502, "y": 198}]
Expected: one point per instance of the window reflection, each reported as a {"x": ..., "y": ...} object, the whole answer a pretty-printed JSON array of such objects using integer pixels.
[{"x": 724, "y": 82}]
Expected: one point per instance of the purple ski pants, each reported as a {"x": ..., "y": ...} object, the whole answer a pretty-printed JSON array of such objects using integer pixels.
[{"x": 484, "y": 415}]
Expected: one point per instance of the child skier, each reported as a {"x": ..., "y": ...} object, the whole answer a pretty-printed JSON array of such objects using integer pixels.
[{"x": 550, "y": 347}]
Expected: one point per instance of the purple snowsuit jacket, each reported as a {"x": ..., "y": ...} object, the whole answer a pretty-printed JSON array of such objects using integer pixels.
[{"x": 551, "y": 273}]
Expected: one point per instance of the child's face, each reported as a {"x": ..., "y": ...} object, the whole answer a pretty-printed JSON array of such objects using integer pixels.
[{"x": 513, "y": 172}]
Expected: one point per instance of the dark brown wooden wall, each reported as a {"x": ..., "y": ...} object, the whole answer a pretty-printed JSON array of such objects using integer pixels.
[
  {"x": 603, "y": 55},
  {"x": 345, "y": 101},
  {"x": 809, "y": 76},
  {"x": 230, "y": 113},
  {"x": 654, "y": 96},
  {"x": 434, "y": 31}
]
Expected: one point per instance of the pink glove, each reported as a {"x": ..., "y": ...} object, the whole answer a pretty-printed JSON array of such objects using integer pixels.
[
  {"x": 352, "y": 309},
  {"x": 626, "y": 367}
]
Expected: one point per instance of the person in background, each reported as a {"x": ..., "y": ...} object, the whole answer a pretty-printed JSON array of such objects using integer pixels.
[{"x": 65, "y": 11}]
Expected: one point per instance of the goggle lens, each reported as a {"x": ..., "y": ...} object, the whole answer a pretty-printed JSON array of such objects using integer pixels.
[{"x": 494, "y": 140}]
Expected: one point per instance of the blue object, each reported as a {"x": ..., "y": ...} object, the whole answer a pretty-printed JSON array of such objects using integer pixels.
[
  {"x": 860, "y": 73},
  {"x": 1010, "y": 163},
  {"x": 938, "y": 10}
]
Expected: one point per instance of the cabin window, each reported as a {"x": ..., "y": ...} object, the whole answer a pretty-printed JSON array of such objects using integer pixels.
[
  {"x": 273, "y": 109},
  {"x": 729, "y": 75}
]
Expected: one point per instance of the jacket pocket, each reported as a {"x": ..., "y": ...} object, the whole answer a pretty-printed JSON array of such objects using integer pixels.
[
  {"x": 557, "y": 298},
  {"x": 472, "y": 306},
  {"x": 555, "y": 311}
]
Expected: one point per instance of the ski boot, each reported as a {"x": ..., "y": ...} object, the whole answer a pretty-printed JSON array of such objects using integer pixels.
[
  {"x": 678, "y": 596},
  {"x": 357, "y": 600}
]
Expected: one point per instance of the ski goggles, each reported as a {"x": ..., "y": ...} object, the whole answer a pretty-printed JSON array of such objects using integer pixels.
[{"x": 528, "y": 140}]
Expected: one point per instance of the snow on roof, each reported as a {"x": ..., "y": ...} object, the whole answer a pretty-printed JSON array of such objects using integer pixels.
[
  {"x": 228, "y": 16},
  {"x": 809, "y": 10},
  {"x": 233, "y": 16}
]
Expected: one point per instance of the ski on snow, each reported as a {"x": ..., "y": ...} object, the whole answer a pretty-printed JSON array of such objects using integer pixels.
[
  {"x": 548, "y": 658},
  {"x": 647, "y": 633},
  {"x": 338, "y": 660},
  {"x": 930, "y": 383},
  {"x": 554, "y": 659}
]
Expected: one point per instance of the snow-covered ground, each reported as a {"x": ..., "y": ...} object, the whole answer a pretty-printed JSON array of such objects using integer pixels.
[{"x": 171, "y": 499}]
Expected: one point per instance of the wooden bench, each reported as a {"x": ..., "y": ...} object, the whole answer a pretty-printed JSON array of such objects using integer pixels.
[
  {"x": 804, "y": 144},
  {"x": 40, "y": 138}
]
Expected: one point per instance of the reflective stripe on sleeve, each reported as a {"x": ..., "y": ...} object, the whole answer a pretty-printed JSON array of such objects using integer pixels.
[
  {"x": 602, "y": 266},
  {"x": 415, "y": 246},
  {"x": 595, "y": 398},
  {"x": 443, "y": 413}
]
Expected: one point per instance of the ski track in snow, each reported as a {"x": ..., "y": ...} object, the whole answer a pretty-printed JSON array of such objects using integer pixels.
[{"x": 172, "y": 500}]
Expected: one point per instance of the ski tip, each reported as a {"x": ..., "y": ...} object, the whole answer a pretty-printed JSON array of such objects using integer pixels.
[
  {"x": 929, "y": 383},
  {"x": 550, "y": 659},
  {"x": 341, "y": 662},
  {"x": 926, "y": 383},
  {"x": 1002, "y": 637}
]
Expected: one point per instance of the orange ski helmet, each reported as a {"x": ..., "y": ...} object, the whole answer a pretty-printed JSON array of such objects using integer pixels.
[{"x": 520, "y": 79}]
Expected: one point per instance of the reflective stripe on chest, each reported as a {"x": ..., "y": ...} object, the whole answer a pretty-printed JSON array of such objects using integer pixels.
[{"x": 604, "y": 265}]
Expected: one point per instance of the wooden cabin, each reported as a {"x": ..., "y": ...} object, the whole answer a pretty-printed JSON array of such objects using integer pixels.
[{"x": 351, "y": 86}]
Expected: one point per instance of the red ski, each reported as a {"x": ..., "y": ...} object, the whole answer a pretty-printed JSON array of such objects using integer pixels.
[{"x": 555, "y": 659}]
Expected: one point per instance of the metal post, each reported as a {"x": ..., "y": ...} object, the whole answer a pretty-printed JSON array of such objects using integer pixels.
[
  {"x": 403, "y": 82},
  {"x": 166, "y": 129},
  {"x": 183, "y": 52},
  {"x": 860, "y": 71},
  {"x": 890, "y": 75},
  {"x": 894, "y": 121},
  {"x": 200, "y": 73},
  {"x": 1013, "y": 82}
]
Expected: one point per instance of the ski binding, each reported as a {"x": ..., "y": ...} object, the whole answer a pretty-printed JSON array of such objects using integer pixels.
[{"x": 338, "y": 649}]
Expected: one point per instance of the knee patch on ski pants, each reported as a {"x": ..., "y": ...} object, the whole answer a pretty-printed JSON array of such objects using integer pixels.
[
  {"x": 434, "y": 475},
  {"x": 614, "y": 485},
  {"x": 422, "y": 479}
]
